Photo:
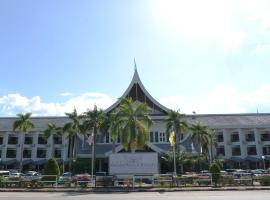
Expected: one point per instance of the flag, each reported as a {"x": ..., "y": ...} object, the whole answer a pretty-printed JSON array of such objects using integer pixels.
[
  {"x": 171, "y": 138},
  {"x": 90, "y": 139}
]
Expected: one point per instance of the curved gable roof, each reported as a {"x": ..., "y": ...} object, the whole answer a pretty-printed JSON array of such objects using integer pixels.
[{"x": 137, "y": 92}]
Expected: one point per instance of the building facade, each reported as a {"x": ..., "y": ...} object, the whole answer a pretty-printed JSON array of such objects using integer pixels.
[{"x": 243, "y": 140}]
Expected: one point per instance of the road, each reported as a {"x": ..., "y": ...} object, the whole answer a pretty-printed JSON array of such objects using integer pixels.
[{"x": 203, "y": 195}]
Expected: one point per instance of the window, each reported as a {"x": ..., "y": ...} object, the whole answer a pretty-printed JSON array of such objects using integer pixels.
[
  {"x": 28, "y": 140},
  {"x": 151, "y": 137},
  {"x": 107, "y": 138},
  {"x": 41, "y": 153},
  {"x": 57, "y": 153},
  {"x": 11, "y": 153},
  {"x": 220, "y": 151},
  {"x": 266, "y": 150},
  {"x": 236, "y": 151},
  {"x": 156, "y": 136},
  {"x": 250, "y": 137},
  {"x": 57, "y": 140},
  {"x": 27, "y": 153},
  {"x": 220, "y": 137},
  {"x": 265, "y": 136},
  {"x": 12, "y": 139},
  {"x": 162, "y": 137},
  {"x": 1, "y": 140},
  {"x": 41, "y": 140},
  {"x": 235, "y": 137},
  {"x": 251, "y": 150}
]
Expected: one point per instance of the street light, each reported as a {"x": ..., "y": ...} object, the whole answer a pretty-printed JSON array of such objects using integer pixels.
[{"x": 263, "y": 157}]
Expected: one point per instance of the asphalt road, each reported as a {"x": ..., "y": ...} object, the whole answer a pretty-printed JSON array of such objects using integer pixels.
[{"x": 204, "y": 195}]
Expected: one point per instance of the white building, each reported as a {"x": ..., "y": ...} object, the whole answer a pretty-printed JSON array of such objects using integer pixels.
[{"x": 242, "y": 138}]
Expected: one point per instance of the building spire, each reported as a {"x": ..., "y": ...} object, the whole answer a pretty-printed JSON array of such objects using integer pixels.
[{"x": 135, "y": 65}]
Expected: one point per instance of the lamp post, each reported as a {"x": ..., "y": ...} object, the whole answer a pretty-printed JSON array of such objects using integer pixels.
[{"x": 263, "y": 157}]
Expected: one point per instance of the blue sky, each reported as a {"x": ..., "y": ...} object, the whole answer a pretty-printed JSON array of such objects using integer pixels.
[{"x": 203, "y": 56}]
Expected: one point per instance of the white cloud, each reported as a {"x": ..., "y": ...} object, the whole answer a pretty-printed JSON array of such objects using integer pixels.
[
  {"x": 222, "y": 100},
  {"x": 12, "y": 104},
  {"x": 261, "y": 48},
  {"x": 66, "y": 94}
]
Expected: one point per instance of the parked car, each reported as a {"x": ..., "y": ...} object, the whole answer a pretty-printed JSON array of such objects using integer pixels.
[
  {"x": 4, "y": 173},
  {"x": 66, "y": 177},
  {"x": 81, "y": 177},
  {"x": 32, "y": 175}
]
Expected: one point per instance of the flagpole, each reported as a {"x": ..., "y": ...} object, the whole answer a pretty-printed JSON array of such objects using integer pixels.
[
  {"x": 174, "y": 161},
  {"x": 92, "y": 160}
]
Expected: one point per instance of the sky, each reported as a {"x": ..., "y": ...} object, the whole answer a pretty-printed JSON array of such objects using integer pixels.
[{"x": 203, "y": 56}]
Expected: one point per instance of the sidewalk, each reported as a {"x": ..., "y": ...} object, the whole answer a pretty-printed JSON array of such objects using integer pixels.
[{"x": 126, "y": 189}]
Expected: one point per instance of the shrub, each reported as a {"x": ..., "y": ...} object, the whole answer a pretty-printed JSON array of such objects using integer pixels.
[
  {"x": 51, "y": 168},
  {"x": 215, "y": 172},
  {"x": 227, "y": 180},
  {"x": 265, "y": 180}
]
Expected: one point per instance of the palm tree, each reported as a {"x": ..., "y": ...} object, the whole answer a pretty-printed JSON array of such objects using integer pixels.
[
  {"x": 96, "y": 121},
  {"x": 177, "y": 124},
  {"x": 51, "y": 131},
  {"x": 72, "y": 128},
  {"x": 24, "y": 125},
  {"x": 212, "y": 142},
  {"x": 112, "y": 127},
  {"x": 134, "y": 124},
  {"x": 200, "y": 132}
]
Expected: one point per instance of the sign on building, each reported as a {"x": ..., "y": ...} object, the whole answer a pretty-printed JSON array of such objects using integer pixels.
[{"x": 133, "y": 163}]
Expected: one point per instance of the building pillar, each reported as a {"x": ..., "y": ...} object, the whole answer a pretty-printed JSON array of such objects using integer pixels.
[
  {"x": 243, "y": 143},
  {"x": 227, "y": 143},
  {"x": 4, "y": 146},
  {"x": 34, "y": 146},
  {"x": 19, "y": 146},
  {"x": 258, "y": 142}
]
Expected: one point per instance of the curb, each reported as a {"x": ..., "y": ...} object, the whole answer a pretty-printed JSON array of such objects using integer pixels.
[{"x": 128, "y": 190}]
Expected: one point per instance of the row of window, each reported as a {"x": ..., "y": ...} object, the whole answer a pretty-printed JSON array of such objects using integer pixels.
[
  {"x": 155, "y": 137},
  {"x": 29, "y": 140},
  {"x": 250, "y": 137},
  {"x": 41, "y": 153},
  {"x": 236, "y": 150}
]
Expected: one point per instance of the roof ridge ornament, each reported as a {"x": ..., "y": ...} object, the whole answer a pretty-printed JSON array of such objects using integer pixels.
[{"x": 135, "y": 65}]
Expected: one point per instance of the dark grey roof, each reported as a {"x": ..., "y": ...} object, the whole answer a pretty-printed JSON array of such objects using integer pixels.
[
  {"x": 232, "y": 120},
  {"x": 6, "y": 123},
  {"x": 211, "y": 120}
]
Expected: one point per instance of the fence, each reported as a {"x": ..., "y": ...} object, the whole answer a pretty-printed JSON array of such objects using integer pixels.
[{"x": 158, "y": 180}]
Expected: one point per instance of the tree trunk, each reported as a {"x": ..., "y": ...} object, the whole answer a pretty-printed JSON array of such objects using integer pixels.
[
  {"x": 22, "y": 148},
  {"x": 113, "y": 146},
  {"x": 94, "y": 150},
  {"x": 52, "y": 154},
  {"x": 211, "y": 151},
  {"x": 70, "y": 152}
]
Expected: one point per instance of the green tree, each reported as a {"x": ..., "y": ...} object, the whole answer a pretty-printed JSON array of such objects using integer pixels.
[
  {"x": 24, "y": 125},
  {"x": 176, "y": 123},
  {"x": 73, "y": 127},
  {"x": 51, "y": 168},
  {"x": 215, "y": 172},
  {"x": 200, "y": 132},
  {"x": 51, "y": 131},
  {"x": 134, "y": 124},
  {"x": 180, "y": 157},
  {"x": 95, "y": 121}
]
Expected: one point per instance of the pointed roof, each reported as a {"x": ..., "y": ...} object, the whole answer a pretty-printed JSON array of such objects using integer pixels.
[{"x": 137, "y": 92}]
